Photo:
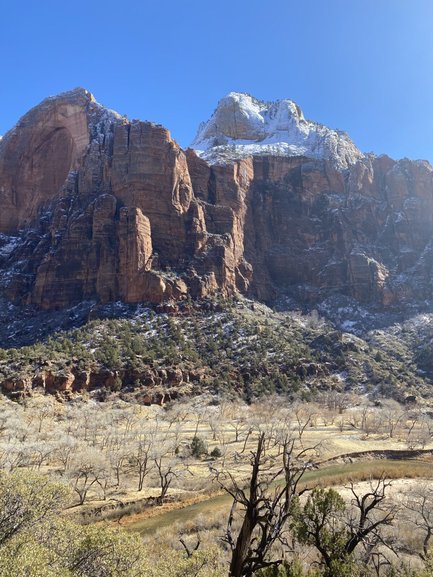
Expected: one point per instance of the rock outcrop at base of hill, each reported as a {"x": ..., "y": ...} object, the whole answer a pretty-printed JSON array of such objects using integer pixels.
[{"x": 93, "y": 206}]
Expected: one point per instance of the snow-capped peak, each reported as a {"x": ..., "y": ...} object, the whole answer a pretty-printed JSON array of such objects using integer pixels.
[{"x": 243, "y": 126}]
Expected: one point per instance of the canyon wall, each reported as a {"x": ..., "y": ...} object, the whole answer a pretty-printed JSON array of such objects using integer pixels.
[{"x": 93, "y": 206}]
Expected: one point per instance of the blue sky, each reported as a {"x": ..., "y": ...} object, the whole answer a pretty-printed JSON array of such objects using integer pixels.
[{"x": 364, "y": 66}]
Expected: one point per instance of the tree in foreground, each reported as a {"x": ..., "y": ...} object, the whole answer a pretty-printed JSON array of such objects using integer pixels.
[
  {"x": 325, "y": 523},
  {"x": 264, "y": 506},
  {"x": 419, "y": 505},
  {"x": 35, "y": 541},
  {"x": 27, "y": 501}
]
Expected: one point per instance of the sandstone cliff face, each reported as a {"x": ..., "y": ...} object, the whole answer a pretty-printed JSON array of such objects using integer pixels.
[
  {"x": 37, "y": 155},
  {"x": 96, "y": 207},
  {"x": 303, "y": 225}
]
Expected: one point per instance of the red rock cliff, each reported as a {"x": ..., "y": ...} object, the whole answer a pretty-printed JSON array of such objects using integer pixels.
[{"x": 95, "y": 206}]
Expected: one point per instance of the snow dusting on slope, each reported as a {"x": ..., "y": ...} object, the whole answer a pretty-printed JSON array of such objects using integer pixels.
[
  {"x": 242, "y": 126},
  {"x": 8, "y": 244}
]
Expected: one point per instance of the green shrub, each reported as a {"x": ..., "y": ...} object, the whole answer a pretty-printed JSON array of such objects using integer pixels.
[
  {"x": 216, "y": 453},
  {"x": 198, "y": 447}
]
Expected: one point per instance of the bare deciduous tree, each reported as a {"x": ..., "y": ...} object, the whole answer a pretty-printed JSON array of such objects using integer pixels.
[
  {"x": 86, "y": 469},
  {"x": 139, "y": 459},
  {"x": 167, "y": 470},
  {"x": 325, "y": 524},
  {"x": 420, "y": 506},
  {"x": 393, "y": 415},
  {"x": 264, "y": 506}
]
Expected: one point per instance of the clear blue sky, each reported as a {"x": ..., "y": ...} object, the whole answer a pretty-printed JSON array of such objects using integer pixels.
[{"x": 364, "y": 66}]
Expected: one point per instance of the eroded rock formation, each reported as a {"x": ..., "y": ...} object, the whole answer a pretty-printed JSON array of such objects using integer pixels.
[{"x": 93, "y": 206}]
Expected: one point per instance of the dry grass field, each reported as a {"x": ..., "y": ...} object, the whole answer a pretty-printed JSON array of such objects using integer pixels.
[
  {"x": 162, "y": 473},
  {"x": 119, "y": 457}
]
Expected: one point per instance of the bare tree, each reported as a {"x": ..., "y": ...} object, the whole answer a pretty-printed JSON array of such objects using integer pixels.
[
  {"x": 139, "y": 458},
  {"x": 392, "y": 415},
  {"x": 419, "y": 436},
  {"x": 40, "y": 410},
  {"x": 336, "y": 401},
  {"x": 240, "y": 419},
  {"x": 420, "y": 506},
  {"x": 370, "y": 513},
  {"x": 117, "y": 454},
  {"x": 167, "y": 470},
  {"x": 40, "y": 450},
  {"x": 87, "y": 468},
  {"x": 367, "y": 419},
  {"x": 14, "y": 455},
  {"x": 264, "y": 505},
  {"x": 64, "y": 448},
  {"x": 325, "y": 524},
  {"x": 214, "y": 421}
]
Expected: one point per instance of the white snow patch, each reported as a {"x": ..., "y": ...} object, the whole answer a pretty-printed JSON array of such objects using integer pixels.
[
  {"x": 242, "y": 126},
  {"x": 348, "y": 325},
  {"x": 8, "y": 244}
]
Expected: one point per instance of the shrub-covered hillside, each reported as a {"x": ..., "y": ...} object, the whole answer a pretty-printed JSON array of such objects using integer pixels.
[{"x": 234, "y": 348}]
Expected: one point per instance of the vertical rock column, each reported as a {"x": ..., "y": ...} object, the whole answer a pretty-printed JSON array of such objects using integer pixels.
[{"x": 135, "y": 253}]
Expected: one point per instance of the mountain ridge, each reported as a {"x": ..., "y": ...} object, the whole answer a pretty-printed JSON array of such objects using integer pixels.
[
  {"x": 104, "y": 221},
  {"x": 94, "y": 206}
]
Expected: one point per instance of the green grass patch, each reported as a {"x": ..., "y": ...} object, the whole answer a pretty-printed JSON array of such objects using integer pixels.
[{"x": 328, "y": 476}]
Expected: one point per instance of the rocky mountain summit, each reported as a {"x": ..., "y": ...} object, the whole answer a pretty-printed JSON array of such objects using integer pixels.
[
  {"x": 266, "y": 203},
  {"x": 243, "y": 126}
]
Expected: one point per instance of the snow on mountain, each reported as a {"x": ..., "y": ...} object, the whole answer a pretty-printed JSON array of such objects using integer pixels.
[{"x": 243, "y": 126}]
